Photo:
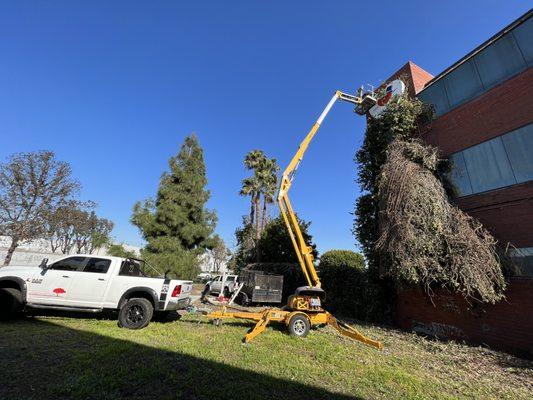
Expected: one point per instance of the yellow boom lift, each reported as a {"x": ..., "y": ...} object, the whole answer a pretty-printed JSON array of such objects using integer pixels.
[{"x": 304, "y": 308}]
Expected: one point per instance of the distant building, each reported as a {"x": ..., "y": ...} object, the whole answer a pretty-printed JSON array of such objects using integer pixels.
[
  {"x": 32, "y": 253},
  {"x": 484, "y": 123}
]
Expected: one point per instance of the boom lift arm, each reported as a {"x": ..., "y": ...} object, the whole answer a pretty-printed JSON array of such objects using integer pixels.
[
  {"x": 303, "y": 251},
  {"x": 303, "y": 308}
]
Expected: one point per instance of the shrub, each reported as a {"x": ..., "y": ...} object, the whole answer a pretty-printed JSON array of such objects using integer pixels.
[
  {"x": 342, "y": 258},
  {"x": 349, "y": 288}
]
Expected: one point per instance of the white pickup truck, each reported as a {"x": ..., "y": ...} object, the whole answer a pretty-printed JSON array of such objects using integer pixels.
[{"x": 93, "y": 283}]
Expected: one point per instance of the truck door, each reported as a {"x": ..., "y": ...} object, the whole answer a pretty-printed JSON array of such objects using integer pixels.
[
  {"x": 52, "y": 285},
  {"x": 90, "y": 285},
  {"x": 216, "y": 284}
]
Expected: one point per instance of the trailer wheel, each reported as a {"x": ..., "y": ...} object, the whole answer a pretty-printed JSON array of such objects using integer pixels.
[
  {"x": 299, "y": 325},
  {"x": 243, "y": 299}
]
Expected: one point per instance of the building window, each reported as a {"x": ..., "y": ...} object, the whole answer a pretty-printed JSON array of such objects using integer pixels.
[
  {"x": 499, "y": 61},
  {"x": 524, "y": 37},
  {"x": 503, "y": 161},
  {"x": 459, "y": 175},
  {"x": 519, "y": 147},
  {"x": 436, "y": 95},
  {"x": 523, "y": 258},
  {"x": 488, "y": 166},
  {"x": 463, "y": 83}
]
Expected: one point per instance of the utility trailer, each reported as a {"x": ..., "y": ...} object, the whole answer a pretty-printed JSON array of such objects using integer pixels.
[{"x": 260, "y": 287}]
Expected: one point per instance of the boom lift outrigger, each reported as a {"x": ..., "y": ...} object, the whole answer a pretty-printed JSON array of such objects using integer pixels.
[{"x": 304, "y": 308}]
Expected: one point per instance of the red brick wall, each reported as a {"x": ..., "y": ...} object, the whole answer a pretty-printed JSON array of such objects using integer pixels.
[
  {"x": 507, "y": 325},
  {"x": 419, "y": 77},
  {"x": 414, "y": 77}
]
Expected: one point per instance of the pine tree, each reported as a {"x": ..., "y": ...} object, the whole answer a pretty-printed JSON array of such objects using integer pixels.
[{"x": 176, "y": 225}]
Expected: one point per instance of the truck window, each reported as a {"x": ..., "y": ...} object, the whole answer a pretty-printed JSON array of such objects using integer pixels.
[
  {"x": 97, "y": 265},
  {"x": 68, "y": 264},
  {"x": 131, "y": 268}
]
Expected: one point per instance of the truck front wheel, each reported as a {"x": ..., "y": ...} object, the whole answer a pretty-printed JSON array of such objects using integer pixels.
[
  {"x": 136, "y": 313},
  {"x": 10, "y": 303}
]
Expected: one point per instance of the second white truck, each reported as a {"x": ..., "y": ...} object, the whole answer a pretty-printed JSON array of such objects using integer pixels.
[{"x": 92, "y": 284}]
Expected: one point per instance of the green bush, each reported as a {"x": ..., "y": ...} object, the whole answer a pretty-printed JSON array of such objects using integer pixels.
[
  {"x": 350, "y": 290},
  {"x": 342, "y": 258}
]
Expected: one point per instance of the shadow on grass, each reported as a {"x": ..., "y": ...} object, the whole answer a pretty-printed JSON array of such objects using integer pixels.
[{"x": 42, "y": 360}]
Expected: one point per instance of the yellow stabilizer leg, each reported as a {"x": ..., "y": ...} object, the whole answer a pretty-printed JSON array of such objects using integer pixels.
[
  {"x": 259, "y": 327},
  {"x": 349, "y": 331}
]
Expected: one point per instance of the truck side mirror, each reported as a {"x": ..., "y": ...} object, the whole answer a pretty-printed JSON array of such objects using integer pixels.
[{"x": 43, "y": 263}]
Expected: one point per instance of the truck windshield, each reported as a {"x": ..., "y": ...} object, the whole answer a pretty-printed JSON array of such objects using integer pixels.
[{"x": 135, "y": 267}]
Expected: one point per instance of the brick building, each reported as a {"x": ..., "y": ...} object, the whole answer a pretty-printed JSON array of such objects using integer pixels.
[{"x": 484, "y": 123}]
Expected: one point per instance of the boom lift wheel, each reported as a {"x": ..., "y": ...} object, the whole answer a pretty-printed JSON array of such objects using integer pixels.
[{"x": 299, "y": 325}]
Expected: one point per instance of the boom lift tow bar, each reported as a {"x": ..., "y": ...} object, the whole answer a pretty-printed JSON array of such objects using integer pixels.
[{"x": 304, "y": 308}]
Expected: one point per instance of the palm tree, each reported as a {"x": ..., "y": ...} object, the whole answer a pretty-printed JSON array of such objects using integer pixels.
[
  {"x": 269, "y": 185},
  {"x": 262, "y": 184}
]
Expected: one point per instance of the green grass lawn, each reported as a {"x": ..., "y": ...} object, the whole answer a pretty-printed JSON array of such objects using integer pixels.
[{"x": 56, "y": 357}]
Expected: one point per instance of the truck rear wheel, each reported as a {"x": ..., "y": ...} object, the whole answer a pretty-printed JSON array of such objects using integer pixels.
[
  {"x": 10, "y": 303},
  {"x": 299, "y": 325},
  {"x": 136, "y": 313}
]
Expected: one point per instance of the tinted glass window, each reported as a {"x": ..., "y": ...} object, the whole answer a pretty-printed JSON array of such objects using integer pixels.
[
  {"x": 68, "y": 264},
  {"x": 463, "y": 83},
  {"x": 524, "y": 259},
  {"x": 459, "y": 175},
  {"x": 488, "y": 166},
  {"x": 131, "y": 268},
  {"x": 519, "y": 147},
  {"x": 524, "y": 36},
  {"x": 230, "y": 278},
  {"x": 97, "y": 265},
  {"x": 499, "y": 61},
  {"x": 436, "y": 95}
]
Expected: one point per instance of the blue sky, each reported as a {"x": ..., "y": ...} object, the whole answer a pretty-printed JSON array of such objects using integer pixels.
[{"x": 114, "y": 87}]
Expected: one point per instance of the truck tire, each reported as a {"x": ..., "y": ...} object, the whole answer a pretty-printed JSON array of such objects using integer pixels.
[
  {"x": 226, "y": 293},
  {"x": 10, "y": 303},
  {"x": 299, "y": 325},
  {"x": 135, "y": 313},
  {"x": 205, "y": 292}
]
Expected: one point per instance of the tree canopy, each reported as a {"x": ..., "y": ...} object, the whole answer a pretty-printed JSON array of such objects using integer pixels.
[
  {"x": 177, "y": 226},
  {"x": 406, "y": 222},
  {"x": 32, "y": 186},
  {"x": 261, "y": 187}
]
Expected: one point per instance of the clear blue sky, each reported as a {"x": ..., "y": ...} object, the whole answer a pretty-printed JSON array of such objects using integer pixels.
[{"x": 114, "y": 87}]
